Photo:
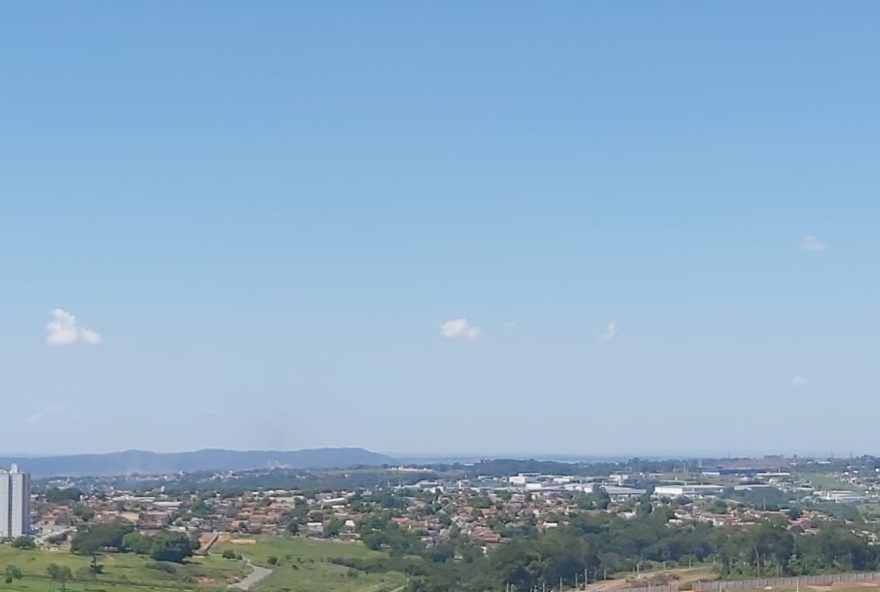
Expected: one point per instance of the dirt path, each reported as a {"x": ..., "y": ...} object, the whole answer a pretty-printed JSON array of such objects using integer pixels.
[{"x": 259, "y": 574}]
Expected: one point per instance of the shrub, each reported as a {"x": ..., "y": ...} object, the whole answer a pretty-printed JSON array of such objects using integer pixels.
[{"x": 24, "y": 542}]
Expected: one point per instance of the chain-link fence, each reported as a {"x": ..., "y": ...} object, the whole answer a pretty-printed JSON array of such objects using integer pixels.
[{"x": 793, "y": 582}]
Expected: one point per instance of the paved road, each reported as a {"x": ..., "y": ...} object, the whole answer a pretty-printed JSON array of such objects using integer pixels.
[{"x": 252, "y": 578}]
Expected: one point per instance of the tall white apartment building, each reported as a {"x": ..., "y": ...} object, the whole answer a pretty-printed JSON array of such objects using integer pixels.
[
  {"x": 15, "y": 503},
  {"x": 5, "y": 505}
]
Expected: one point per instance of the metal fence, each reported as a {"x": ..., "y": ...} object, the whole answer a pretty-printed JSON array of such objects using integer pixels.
[
  {"x": 647, "y": 586},
  {"x": 794, "y": 582}
]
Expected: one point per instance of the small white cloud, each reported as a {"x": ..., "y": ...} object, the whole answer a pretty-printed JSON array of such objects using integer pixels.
[
  {"x": 39, "y": 416},
  {"x": 799, "y": 381},
  {"x": 510, "y": 325},
  {"x": 608, "y": 334},
  {"x": 207, "y": 410},
  {"x": 460, "y": 329},
  {"x": 64, "y": 330},
  {"x": 811, "y": 244}
]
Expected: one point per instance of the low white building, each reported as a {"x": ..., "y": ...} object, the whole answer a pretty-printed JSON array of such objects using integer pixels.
[
  {"x": 523, "y": 479},
  {"x": 687, "y": 490},
  {"x": 841, "y": 497}
]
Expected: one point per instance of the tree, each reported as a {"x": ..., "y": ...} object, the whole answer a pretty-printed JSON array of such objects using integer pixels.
[
  {"x": 272, "y": 560},
  {"x": 82, "y": 512},
  {"x": 333, "y": 528},
  {"x": 228, "y": 554},
  {"x": 199, "y": 508},
  {"x": 441, "y": 552},
  {"x": 60, "y": 574},
  {"x": 55, "y": 495},
  {"x": 601, "y": 496},
  {"x": 13, "y": 573},
  {"x": 90, "y": 540},
  {"x": 135, "y": 542},
  {"x": 24, "y": 542},
  {"x": 171, "y": 546},
  {"x": 95, "y": 567}
]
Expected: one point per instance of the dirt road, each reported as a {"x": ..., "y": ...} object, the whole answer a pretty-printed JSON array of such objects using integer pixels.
[{"x": 259, "y": 574}]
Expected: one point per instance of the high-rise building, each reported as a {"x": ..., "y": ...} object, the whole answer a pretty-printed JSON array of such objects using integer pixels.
[
  {"x": 5, "y": 505},
  {"x": 15, "y": 503}
]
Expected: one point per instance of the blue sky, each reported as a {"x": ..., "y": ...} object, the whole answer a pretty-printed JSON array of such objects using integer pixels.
[{"x": 659, "y": 221}]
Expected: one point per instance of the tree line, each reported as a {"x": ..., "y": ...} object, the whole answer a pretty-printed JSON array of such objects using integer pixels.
[
  {"x": 598, "y": 545},
  {"x": 121, "y": 537}
]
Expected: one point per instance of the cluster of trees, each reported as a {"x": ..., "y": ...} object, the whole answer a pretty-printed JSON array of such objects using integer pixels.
[
  {"x": 121, "y": 537},
  {"x": 100, "y": 537},
  {"x": 378, "y": 531},
  {"x": 55, "y": 495},
  {"x": 297, "y": 517},
  {"x": 608, "y": 544},
  {"x": 163, "y": 546},
  {"x": 603, "y": 544}
]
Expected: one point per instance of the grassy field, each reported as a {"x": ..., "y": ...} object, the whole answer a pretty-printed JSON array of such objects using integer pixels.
[
  {"x": 122, "y": 572},
  {"x": 829, "y": 482},
  {"x": 303, "y": 566}
]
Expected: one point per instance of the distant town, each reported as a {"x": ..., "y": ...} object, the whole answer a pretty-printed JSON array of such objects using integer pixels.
[
  {"x": 433, "y": 501},
  {"x": 628, "y": 524}
]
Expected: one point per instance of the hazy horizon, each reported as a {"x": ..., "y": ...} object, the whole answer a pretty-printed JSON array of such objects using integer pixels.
[
  {"x": 500, "y": 226},
  {"x": 564, "y": 456}
]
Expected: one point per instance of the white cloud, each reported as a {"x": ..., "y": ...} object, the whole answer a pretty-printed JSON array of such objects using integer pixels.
[
  {"x": 54, "y": 409},
  {"x": 608, "y": 334},
  {"x": 799, "y": 381},
  {"x": 207, "y": 410},
  {"x": 811, "y": 244},
  {"x": 460, "y": 329},
  {"x": 64, "y": 330}
]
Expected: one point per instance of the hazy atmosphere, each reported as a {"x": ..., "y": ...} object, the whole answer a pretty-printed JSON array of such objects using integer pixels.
[{"x": 451, "y": 228}]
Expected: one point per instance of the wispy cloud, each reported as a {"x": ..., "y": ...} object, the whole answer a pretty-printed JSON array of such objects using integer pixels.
[
  {"x": 38, "y": 416},
  {"x": 460, "y": 329},
  {"x": 609, "y": 333},
  {"x": 799, "y": 381},
  {"x": 64, "y": 329},
  {"x": 811, "y": 244}
]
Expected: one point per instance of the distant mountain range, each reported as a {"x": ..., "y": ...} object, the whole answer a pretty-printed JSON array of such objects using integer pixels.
[{"x": 154, "y": 463}]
